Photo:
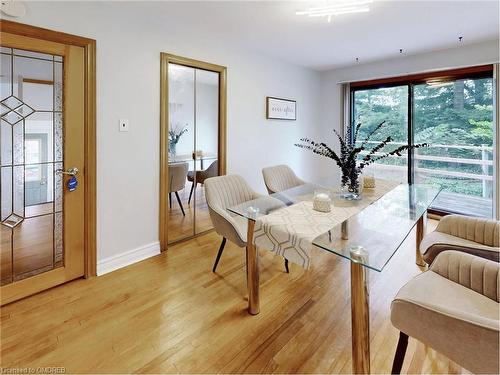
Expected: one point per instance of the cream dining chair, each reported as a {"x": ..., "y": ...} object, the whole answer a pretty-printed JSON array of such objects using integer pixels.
[
  {"x": 471, "y": 235},
  {"x": 453, "y": 308},
  {"x": 222, "y": 192},
  {"x": 279, "y": 178},
  {"x": 177, "y": 174},
  {"x": 200, "y": 176}
]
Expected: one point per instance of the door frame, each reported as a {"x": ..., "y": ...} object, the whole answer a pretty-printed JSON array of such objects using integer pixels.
[
  {"x": 89, "y": 46},
  {"x": 165, "y": 60},
  {"x": 472, "y": 72}
]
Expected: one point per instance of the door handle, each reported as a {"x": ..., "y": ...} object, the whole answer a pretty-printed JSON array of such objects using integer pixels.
[{"x": 73, "y": 171}]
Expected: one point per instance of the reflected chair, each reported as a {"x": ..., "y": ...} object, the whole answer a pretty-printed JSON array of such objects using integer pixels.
[
  {"x": 221, "y": 193},
  {"x": 201, "y": 176},
  {"x": 471, "y": 235},
  {"x": 177, "y": 174},
  {"x": 279, "y": 178},
  {"x": 453, "y": 308}
]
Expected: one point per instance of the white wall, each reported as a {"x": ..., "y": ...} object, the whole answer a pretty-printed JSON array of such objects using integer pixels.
[
  {"x": 129, "y": 43},
  {"x": 469, "y": 55}
]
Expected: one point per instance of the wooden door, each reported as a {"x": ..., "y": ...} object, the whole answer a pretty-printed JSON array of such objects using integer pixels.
[{"x": 42, "y": 139}]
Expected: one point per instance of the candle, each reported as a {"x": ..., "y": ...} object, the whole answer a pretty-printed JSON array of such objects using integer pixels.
[
  {"x": 368, "y": 182},
  {"x": 322, "y": 197},
  {"x": 322, "y": 201}
]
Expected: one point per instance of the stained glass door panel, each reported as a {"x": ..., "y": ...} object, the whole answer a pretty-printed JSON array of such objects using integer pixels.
[
  {"x": 31, "y": 152},
  {"x": 41, "y": 226}
]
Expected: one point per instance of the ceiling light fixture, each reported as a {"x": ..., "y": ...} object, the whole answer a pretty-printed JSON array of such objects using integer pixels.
[
  {"x": 438, "y": 82},
  {"x": 337, "y": 8},
  {"x": 13, "y": 8}
]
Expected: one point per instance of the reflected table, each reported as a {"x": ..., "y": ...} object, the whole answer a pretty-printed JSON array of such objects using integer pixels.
[
  {"x": 183, "y": 158},
  {"x": 372, "y": 232}
]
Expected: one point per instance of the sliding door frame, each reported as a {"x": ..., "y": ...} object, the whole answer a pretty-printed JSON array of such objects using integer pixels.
[
  {"x": 475, "y": 72},
  {"x": 165, "y": 60}
]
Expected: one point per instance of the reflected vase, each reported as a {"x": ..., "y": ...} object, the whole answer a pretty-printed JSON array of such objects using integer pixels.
[{"x": 172, "y": 148}]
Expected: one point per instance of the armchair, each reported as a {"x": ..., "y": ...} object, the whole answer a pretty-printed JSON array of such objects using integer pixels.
[
  {"x": 279, "y": 178},
  {"x": 454, "y": 308},
  {"x": 471, "y": 235},
  {"x": 222, "y": 192}
]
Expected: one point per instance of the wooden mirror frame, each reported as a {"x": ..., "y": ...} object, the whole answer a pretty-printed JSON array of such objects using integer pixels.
[{"x": 167, "y": 59}]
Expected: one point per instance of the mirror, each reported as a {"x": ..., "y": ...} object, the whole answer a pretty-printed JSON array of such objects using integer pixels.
[
  {"x": 193, "y": 143},
  {"x": 207, "y": 143}
]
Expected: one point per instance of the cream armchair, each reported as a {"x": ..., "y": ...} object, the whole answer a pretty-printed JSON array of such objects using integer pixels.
[
  {"x": 177, "y": 181},
  {"x": 453, "y": 308},
  {"x": 279, "y": 178},
  {"x": 222, "y": 192},
  {"x": 200, "y": 176},
  {"x": 471, "y": 235}
]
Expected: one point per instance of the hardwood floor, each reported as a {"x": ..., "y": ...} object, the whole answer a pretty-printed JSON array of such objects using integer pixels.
[
  {"x": 170, "y": 313},
  {"x": 182, "y": 226},
  {"x": 31, "y": 243}
]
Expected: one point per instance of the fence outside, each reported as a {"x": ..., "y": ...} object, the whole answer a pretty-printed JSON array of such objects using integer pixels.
[{"x": 485, "y": 161}]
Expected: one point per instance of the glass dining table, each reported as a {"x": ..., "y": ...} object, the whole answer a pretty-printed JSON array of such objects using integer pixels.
[
  {"x": 183, "y": 158},
  {"x": 377, "y": 226}
]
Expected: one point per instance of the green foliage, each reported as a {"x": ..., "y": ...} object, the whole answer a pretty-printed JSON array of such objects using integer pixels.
[
  {"x": 457, "y": 113},
  {"x": 352, "y": 158}
]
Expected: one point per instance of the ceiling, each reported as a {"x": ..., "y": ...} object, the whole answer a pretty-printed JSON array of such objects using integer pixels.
[{"x": 272, "y": 28}]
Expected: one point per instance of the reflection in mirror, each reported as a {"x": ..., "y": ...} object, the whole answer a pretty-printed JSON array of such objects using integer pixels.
[
  {"x": 180, "y": 148},
  {"x": 193, "y": 147},
  {"x": 207, "y": 142}
]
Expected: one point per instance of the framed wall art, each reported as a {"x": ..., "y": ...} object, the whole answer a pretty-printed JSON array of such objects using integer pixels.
[{"x": 281, "y": 109}]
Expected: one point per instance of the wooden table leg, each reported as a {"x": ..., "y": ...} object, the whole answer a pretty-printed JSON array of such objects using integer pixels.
[
  {"x": 252, "y": 272},
  {"x": 360, "y": 319},
  {"x": 421, "y": 224}
]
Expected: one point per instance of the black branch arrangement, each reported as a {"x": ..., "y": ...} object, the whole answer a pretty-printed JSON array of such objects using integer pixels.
[{"x": 348, "y": 161}]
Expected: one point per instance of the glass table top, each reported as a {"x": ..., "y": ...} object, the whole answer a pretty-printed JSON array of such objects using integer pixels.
[
  {"x": 265, "y": 204},
  {"x": 369, "y": 237},
  {"x": 375, "y": 234},
  {"x": 181, "y": 158}
]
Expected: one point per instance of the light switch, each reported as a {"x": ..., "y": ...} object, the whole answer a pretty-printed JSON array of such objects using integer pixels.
[{"x": 124, "y": 125}]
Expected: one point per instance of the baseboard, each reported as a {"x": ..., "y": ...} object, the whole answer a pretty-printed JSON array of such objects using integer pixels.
[{"x": 130, "y": 257}]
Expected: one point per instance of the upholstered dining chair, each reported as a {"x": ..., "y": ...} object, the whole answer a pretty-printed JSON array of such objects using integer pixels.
[
  {"x": 279, "y": 178},
  {"x": 177, "y": 174},
  {"x": 471, "y": 235},
  {"x": 453, "y": 308},
  {"x": 222, "y": 192},
  {"x": 201, "y": 176}
]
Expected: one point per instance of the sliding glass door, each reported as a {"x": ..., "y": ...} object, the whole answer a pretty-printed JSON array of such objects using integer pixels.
[
  {"x": 455, "y": 117},
  {"x": 389, "y": 104}
]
